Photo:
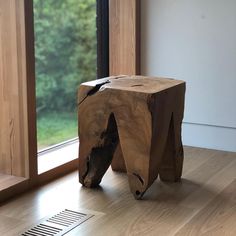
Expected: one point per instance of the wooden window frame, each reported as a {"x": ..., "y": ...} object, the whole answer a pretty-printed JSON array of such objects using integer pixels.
[
  {"x": 124, "y": 58},
  {"x": 124, "y": 37}
]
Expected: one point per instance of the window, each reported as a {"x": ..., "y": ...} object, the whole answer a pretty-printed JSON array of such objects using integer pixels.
[{"x": 65, "y": 55}]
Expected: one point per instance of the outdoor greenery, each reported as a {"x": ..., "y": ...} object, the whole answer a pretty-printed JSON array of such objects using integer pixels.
[
  {"x": 54, "y": 128},
  {"x": 65, "y": 52}
]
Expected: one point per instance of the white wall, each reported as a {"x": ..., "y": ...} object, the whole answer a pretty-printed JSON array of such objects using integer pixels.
[{"x": 195, "y": 40}]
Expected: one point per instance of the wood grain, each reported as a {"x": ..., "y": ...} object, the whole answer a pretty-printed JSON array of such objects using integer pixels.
[
  {"x": 168, "y": 208},
  {"x": 144, "y": 115},
  {"x": 217, "y": 217},
  {"x": 13, "y": 87},
  {"x": 124, "y": 37}
]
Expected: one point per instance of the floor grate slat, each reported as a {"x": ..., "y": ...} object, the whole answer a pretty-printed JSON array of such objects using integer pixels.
[{"x": 58, "y": 224}]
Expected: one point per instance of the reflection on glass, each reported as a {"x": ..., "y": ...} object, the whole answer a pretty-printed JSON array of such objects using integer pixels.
[{"x": 65, "y": 53}]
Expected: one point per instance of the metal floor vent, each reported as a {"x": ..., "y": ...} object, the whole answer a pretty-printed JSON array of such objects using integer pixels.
[{"x": 59, "y": 224}]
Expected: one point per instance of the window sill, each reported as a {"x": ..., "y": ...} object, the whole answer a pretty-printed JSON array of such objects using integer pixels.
[
  {"x": 57, "y": 157},
  {"x": 7, "y": 181}
]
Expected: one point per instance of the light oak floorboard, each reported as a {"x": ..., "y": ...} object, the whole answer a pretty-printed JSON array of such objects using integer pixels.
[
  {"x": 204, "y": 203},
  {"x": 217, "y": 218}
]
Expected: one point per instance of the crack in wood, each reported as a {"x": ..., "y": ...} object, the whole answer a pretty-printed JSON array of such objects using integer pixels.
[
  {"x": 139, "y": 178},
  {"x": 136, "y": 85},
  {"x": 100, "y": 157},
  {"x": 95, "y": 89}
]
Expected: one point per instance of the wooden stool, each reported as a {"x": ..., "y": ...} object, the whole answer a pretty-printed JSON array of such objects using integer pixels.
[{"x": 137, "y": 120}]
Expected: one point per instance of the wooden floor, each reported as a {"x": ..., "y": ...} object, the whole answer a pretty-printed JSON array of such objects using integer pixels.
[{"x": 204, "y": 203}]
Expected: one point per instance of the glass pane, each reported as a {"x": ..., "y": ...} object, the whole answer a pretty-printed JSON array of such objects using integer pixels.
[{"x": 65, "y": 52}]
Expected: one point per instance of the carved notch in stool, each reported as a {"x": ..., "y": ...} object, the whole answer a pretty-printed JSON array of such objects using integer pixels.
[{"x": 137, "y": 120}]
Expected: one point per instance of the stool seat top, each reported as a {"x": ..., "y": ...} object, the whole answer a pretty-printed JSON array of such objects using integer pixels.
[{"x": 141, "y": 84}]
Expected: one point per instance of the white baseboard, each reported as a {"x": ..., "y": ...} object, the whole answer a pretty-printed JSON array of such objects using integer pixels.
[{"x": 207, "y": 136}]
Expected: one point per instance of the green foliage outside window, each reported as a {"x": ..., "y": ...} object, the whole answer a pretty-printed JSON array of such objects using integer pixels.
[{"x": 65, "y": 53}]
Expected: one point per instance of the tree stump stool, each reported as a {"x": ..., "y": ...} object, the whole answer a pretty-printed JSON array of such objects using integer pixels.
[{"x": 137, "y": 120}]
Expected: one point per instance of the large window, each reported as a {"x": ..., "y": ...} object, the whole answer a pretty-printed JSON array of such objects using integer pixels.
[
  {"x": 18, "y": 158},
  {"x": 66, "y": 55}
]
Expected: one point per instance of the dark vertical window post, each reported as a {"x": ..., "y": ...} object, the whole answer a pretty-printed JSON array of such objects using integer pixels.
[{"x": 102, "y": 38}]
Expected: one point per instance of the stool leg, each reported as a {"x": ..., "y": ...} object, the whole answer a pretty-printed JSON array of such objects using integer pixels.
[
  {"x": 179, "y": 151},
  {"x": 167, "y": 149},
  {"x": 172, "y": 160},
  {"x": 93, "y": 166},
  {"x": 135, "y": 145},
  {"x": 138, "y": 176}
]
